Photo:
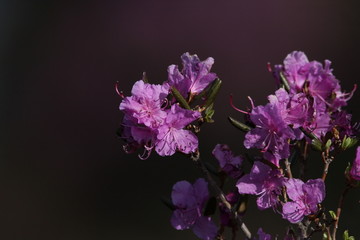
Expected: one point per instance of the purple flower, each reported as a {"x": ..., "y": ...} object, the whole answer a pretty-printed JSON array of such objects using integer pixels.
[
  {"x": 197, "y": 72},
  {"x": 227, "y": 161},
  {"x": 263, "y": 235},
  {"x": 305, "y": 196},
  {"x": 355, "y": 169},
  {"x": 342, "y": 122},
  {"x": 295, "y": 66},
  {"x": 322, "y": 84},
  {"x": 176, "y": 79},
  {"x": 135, "y": 135},
  {"x": 194, "y": 77},
  {"x": 320, "y": 123},
  {"x": 294, "y": 109},
  {"x": 145, "y": 103},
  {"x": 171, "y": 136},
  {"x": 189, "y": 200},
  {"x": 271, "y": 133},
  {"x": 324, "y": 87},
  {"x": 264, "y": 182}
]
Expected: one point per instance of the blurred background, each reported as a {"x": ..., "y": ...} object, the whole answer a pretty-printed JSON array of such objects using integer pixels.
[{"x": 63, "y": 173}]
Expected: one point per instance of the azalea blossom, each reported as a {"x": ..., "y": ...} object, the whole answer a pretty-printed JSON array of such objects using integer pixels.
[
  {"x": 264, "y": 182},
  {"x": 189, "y": 201},
  {"x": 305, "y": 196},
  {"x": 145, "y": 103},
  {"x": 271, "y": 133},
  {"x": 262, "y": 235},
  {"x": 229, "y": 163},
  {"x": 194, "y": 77},
  {"x": 172, "y": 137}
]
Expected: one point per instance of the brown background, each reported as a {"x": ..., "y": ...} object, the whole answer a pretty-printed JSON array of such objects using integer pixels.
[{"x": 63, "y": 174}]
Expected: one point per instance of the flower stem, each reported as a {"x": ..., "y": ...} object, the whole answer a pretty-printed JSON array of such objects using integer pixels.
[
  {"x": 327, "y": 160},
  {"x": 338, "y": 211},
  {"x": 288, "y": 168},
  {"x": 303, "y": 166}
]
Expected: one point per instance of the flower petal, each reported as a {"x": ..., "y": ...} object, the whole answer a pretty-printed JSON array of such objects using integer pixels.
[{"x": 205, "y": 228}]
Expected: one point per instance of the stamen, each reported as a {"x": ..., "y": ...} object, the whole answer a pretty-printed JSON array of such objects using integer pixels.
[
  {"x": 164, "y": 104},
  {"x": 252, "y": 102},
  {"x": 351, "y": 93},
  {"x": 146, "y": 153},
  {"x": 268, "y": 65},
  {"x": 120, "y": 93},
  {"x": 233, "y": 106}
]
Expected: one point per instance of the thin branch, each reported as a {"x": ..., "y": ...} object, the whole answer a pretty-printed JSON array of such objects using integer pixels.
[
  {"x": 303, "y": 228},
  {"x": 328, "y": 233},
  {"x": 327, "y": 160},
  {"x": 288, "y": 168},
  {"x": 338, "y": 211},
  {"x": 220, "y": 194},
  {"x": 303, "y": 167}
]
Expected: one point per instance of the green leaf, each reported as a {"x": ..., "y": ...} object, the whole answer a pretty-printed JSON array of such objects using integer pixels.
[
  {"x": 333, "y": 215},
  {"x": 243, "y": 127},
  {"x": 180, "y": 98},
  {"x": 328, "y": 144},
  {"x": 284, "y": 81},
  {"x": 353, "y": 141},
  {"x": 347, "y": 237},
  {"x": 209, "y": 113},
  {"x": 308, "y": 134},
  {"x": 316, "y": 144},
  {"x": 214, "y": 90},
  {"x": 348, "y": 142}
]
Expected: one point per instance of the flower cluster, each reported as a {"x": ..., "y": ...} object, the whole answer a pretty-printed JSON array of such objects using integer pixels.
[
  {"x": 309, "y": 102},
  {"x": 307, "y": 109},
  {"x": 153, "y": 120}
]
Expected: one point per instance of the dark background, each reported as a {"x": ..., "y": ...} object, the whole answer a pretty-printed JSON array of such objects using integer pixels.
[{"x": 63, "y": 174}]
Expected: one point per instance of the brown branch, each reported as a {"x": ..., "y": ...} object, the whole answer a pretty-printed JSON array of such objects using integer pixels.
[
  {"x": 327, "y": 160},
  {"x": 288, "y": 168},
  {"x": 338, "y": 211}
]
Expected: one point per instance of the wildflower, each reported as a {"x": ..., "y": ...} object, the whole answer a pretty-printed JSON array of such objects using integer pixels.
[
  {"x": 227, "y": 161},
  {"x": 189, "y": 200},
  {"x": 295, "y": 70},
  {"x": 294, "y": 108},
  {"x": 145, "y": 104},
  {"x": 271, "y": 133},
  {"x": 305, "y": 196},
  {"x": 263, "y": 235},
  {"x": 264, "y": 182},
  {"x": 194, "y": 77},
  {"x": 171, "y": 136}
]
